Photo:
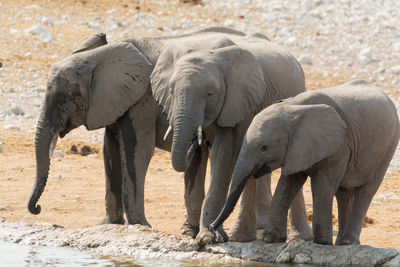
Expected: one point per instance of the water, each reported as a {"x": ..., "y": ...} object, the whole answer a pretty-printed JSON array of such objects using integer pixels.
[{"x": 12, "y": 254}]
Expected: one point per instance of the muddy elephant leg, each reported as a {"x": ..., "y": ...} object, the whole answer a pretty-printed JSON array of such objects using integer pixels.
[
  {"x": 223, "y": 154},
  {"x": 112, "y": 165},
  {"x": 245, "y": 228},
  {"x": 194, "y": 191},
  {"x": 344, "y": 199},
  {"x": 137, "y": 143},
  {"x": 299, "y": 227},
  {"x": 285, "y": 192}
]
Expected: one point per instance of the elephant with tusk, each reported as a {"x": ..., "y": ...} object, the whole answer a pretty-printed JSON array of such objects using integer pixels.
[
  {"x": 108, "y": 85},
  {"x": 218, "y": 91}
]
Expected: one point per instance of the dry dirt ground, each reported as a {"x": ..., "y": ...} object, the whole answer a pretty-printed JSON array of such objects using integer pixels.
[{"x": 74, "y": 194}]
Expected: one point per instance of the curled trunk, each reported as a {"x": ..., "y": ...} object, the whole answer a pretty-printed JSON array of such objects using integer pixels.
[
  {"x": 43, "y": 138},
  {"x": 240, "y": 176}
]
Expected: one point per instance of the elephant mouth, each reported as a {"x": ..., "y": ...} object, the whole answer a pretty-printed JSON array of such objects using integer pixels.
[
  {"x": 197, "y": 138},
  {"x": 261, "y": 171}
]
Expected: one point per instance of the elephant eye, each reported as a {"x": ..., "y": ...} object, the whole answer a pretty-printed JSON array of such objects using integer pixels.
[
  {"x": 264, "y": 148},
  {"x": 209, "y": 94}
]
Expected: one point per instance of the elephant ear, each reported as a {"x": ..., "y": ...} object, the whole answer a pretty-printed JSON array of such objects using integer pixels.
[
  {"x": 245, "y": 85},
  {"x": 162, "y": 73},
  {"x": 316, "y": 132},
  {"x": 120, "y": 77},
  {"x": 92, "y": 42}
]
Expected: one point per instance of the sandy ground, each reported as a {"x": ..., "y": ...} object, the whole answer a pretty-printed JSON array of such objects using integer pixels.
[{"x": 74, "y": 194}]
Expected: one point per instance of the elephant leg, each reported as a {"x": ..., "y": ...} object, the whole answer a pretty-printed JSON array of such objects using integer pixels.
[
  {"x": 137, "y": 143},
  {"x": 245, "y": 228},
  {"x": 324, "y": 184},
  {"x": 285, "y": 192},
  {"x": 222, "y": 157},
  {"x": 362, "y": 199},
  {"x": 112, "y": 163},
  {"x": 264, "y": 197},
  {"x": 299, "y": 227},
  {"x": 345, "y": 200},
  {"x": 194, "y": 191}
]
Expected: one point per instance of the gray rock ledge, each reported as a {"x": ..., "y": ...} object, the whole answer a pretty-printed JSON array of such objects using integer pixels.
[{"x": 142, "y": 242}]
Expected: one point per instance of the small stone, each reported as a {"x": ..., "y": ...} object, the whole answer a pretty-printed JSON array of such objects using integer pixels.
[
  {"x": 395, "y": 69},
  {"x": 58, "y": 154},
  {"x": 229, "y": 23},
  {"x": 365, "y": 56},
  {"x": 1, "y": 65},
  {"x": 305, "y": 60},
  {"x": 11, "y": 127},
  {"x": 86, "y": 150},
  {"x": 47, "y": 21},
  {"x": 1, "y": 147},
  {"x": 17, "y": 111},
  {"x": 159, "y": 169},
  {"x": 291, "y": 41}
]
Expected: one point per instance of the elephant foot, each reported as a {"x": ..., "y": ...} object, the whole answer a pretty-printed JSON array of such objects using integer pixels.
[
  {"x": 190, "y": 230},
  {"x": 304, "y": 234},
  {"x": 347, "y": 240},
  {"x": 108, "y": 220},
  {"x": 236, "y": 235},
  {"x": 205, "y": 236},
  {"x": 269, "y": 236},
  {"x": 141, "y": 221}
]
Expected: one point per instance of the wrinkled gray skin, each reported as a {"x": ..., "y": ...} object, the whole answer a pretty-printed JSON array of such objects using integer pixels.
[
  {"x": 107, "y": 85},
  {"x": 221, "y": 89},
  {"x": 342, "y": 137}
]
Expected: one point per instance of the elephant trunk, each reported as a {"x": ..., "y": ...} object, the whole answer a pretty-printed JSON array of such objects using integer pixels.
[
  {"x": 183, "y": 133},
  {"x": 45, "y": 133},
  {"x": 241, "y": 175}
]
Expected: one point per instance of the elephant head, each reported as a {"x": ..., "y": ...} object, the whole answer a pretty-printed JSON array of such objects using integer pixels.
[
  {"x": 92, "y": 87},
  {"x": 293, "y": 137},
  {"x": 199, "y": 88}
]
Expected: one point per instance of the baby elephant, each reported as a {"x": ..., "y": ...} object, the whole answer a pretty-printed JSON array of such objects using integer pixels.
[{"x": 342, "y": 137}]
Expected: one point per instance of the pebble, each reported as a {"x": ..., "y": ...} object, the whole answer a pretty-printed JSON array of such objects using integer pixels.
[
  {"x": 1, "y": 147},
  {"x": 48, "y": 21},
  {"x": 44, "y": 35},
  {"x": 305, "y": 60},
  {"x": 12, "y": 127},
  {"x": 58, "y": 154},
  {"x": 395, "y": 69},
  {"x": 159, "y": 169},
  {"x": 17, "y": 111}
]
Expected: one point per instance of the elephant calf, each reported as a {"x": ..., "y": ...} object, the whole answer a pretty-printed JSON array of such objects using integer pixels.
[{"x": 342, "y": 137}]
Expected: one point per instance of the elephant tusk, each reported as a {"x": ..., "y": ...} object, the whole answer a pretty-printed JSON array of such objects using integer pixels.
[
  {"x": 53, "y": 145},
  {"x": 167, "y": 132},
  {"x": 199, "y": 135}
]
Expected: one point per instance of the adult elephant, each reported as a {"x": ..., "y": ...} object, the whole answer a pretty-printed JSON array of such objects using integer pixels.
[
  {"x": 107, "y": 85},
  {"x": 212, "y": 95}
]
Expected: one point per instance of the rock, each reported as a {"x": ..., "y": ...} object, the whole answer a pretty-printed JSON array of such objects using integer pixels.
[
  {"x": 58, "y": 154},
  {"x": 305, "y": 60},
  {"x": 395, "y": 69},
  {"x": 12, "y": 127},
  {"x": 291, "y": 41},
  {"x": 1, "y": 147},
  {"x": 47, "y": 21},
  {"x": 44, "y": 35},
  {"x": 229, "y": 23},
  {"x": 365, "y": 56},
  {"x": 159, "y": 169},
  {"x": 17, "y": 111}
]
